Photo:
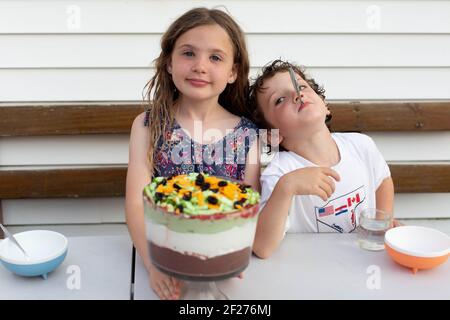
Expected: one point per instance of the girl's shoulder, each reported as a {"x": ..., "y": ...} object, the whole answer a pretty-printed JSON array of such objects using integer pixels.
[
  {"x": 246, "y": 123},
  {"x": 139, "y": 127},
  {"x": 139, "y": 132},
  {"x": 146, "y": 117},
  {"x": 140, "y": 120}
]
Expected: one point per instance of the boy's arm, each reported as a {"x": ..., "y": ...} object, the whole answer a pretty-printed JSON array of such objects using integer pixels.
[
  {"x": 272, "y": 220},
  {"x": 385, "y": 197},
  {"x": 317, "y": 181}
]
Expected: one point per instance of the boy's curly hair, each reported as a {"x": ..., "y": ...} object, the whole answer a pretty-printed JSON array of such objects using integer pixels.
[{"x": 269, "y": 71}]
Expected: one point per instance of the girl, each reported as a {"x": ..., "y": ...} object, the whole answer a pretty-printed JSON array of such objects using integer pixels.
[
  {"x": 320, "y": 181},
  {"x": 198, "y": 89}
]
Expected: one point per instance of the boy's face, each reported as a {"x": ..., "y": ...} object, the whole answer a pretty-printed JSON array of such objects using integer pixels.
[{"x": 283, "y": 110}]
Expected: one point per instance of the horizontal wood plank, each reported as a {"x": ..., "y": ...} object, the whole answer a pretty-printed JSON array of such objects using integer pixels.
[
  {"x": 2, "y": 235},
  {"x": 67, "y": 119},
  {"x": 390, "y": 116},
  {"x": 64, "y": 119},
  {"x": 110, "y": 181},
  {"x": 63, "y": 183},
  {"x": 421, "y": 178}
]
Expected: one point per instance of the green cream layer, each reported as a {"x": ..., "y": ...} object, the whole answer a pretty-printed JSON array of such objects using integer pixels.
[{"x": 185, "y": 224}]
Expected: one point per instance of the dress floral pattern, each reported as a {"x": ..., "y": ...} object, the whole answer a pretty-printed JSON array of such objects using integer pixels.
[{"x": 180, "y": 154}]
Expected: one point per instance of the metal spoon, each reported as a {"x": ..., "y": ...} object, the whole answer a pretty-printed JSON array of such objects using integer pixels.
[
  {"x": 13, "y": 240},
  {"x": 295, "y": 84}
]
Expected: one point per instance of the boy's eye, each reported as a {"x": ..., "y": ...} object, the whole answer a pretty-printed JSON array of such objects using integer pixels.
[
  {"x": 216, "y": 58},
  {"x": 279, "y": 100},
  {"x": 302, "y": 87},
  {"x": 188, "y": 53}
]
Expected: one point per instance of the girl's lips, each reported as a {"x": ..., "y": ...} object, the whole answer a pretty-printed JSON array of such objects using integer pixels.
[{"x": 197, "y": 82}]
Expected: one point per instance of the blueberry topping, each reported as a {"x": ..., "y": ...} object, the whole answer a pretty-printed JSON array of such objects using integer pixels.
[
  {"x": 176, "y": 186},
  {"x": 163, "y": 182},
  {"x": 212, "y": 200},
  {"x": 199, "y": 180},
  {"x": 222, "y": 183},
  {"x": 205, "y": 186},
  {"x": 159, "y": 196},
  {"x": 187, "y": 196}
]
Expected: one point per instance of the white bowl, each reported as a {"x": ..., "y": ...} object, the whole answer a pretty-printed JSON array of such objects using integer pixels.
[
  {"x": 46, "y": 250},
  {"x": 417, "y": 247}
]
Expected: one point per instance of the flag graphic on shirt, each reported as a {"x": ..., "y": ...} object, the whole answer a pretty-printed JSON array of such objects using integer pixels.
[
  {"x": 354, "y": 200},
  {"x": 343, "y": 208},
  {"x": 326, "y": 211}
]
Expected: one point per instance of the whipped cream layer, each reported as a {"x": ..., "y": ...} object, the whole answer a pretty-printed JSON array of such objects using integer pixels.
[{"x": 203, "y": 245}]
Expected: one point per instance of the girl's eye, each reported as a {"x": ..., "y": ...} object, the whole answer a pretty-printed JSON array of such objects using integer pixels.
[
  {"x": 215, "y": 58},
  {"x": 279, "y": 100},
  {"x": 188, "y": 53},
  {"x": 302, "y": 87}
]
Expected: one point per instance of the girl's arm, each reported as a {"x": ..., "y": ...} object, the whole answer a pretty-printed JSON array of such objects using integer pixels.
[
  {"x": 253, "y": 167},
  {"x": 138, "y": 175}
]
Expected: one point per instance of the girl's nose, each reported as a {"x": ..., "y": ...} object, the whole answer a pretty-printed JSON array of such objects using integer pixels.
[{"x": 199, "y": 66}]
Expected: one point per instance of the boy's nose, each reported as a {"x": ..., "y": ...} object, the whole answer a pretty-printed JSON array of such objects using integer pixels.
[{"x": 298, "y": 98}]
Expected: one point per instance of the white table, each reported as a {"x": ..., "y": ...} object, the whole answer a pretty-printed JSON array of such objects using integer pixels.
[
  {"x": 325, "y": 266},
  {"x": 104, "y": 265}
]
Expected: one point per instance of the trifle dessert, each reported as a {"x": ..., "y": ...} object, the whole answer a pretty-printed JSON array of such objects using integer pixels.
[{"x": 200, "y": 227}]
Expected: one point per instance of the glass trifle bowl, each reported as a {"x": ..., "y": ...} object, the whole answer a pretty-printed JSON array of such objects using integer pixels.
[{"x": 200, "y": 229}]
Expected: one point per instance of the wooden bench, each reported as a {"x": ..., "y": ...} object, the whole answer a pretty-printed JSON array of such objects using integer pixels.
[{"x": 113, "y": 118}]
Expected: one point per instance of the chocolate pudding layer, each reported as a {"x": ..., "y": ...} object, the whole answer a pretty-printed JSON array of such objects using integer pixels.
[{"x": 191, "y": 267}]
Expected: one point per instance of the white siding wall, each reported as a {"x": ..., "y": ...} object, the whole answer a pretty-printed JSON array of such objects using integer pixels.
[{"x": 103, "y": 50}]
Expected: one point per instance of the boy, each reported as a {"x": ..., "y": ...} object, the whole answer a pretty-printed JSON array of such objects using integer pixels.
[{"x": 320, "y": 181}]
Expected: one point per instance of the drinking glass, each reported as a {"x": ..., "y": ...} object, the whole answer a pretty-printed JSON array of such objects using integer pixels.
[{"x": 373, "y": 224}]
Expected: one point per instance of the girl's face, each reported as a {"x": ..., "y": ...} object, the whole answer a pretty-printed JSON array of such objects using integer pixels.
[
  {"x": 202, "y": 63},
  {"x": 283, "y": 110}
]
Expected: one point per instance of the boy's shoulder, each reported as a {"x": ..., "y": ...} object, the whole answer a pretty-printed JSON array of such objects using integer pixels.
[
  {"x": 279, "y": 164},
  {"x": 358, "y": 140},
  {"x": 352, "y": 136},
  {"x": 358, "y": 145}
]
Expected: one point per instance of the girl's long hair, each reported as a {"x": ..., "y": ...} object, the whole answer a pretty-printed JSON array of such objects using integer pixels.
[{"x": 161, "y": 92}]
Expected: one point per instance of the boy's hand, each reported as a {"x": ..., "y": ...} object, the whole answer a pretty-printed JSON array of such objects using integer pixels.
[
  {"x": 166, "y": 287},
  {"x": 312, "y": 181},
  {"x": 396, "y": 223}
]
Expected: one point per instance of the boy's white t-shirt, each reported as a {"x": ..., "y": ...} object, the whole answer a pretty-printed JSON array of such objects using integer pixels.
[{"x": 361, "y": 168}]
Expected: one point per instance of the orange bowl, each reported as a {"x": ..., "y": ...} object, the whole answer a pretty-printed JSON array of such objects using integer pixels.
[{"x": 417, "y": 247}]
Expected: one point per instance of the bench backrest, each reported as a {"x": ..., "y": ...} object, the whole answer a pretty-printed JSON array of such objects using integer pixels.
[{"x": 109, "y": 181}]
